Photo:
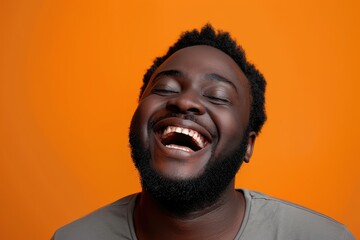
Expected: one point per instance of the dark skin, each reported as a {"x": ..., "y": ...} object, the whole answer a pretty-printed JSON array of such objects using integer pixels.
[{"x": 207, "y": 83}]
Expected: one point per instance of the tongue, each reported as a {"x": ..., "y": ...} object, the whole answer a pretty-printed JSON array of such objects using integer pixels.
[
  {"x": 177, "y": 147},
  {"x": 179, "y": 141}
]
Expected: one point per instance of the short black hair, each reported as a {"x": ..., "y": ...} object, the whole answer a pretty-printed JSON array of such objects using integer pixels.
[{"x": 222, "y": 41}]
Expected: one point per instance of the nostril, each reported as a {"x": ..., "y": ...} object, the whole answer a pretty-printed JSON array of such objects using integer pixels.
[
  {"x": 187, "y": 102},
  {"x": 173, "y": 108},
  {"x": 194, "y": 110},
  {"x": 184, "y": 108}
]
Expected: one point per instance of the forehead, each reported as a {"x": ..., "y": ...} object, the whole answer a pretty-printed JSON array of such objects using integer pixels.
[{"x": 202, "y": 59}]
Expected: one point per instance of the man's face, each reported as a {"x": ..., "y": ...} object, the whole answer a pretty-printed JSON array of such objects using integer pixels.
[{"x": 192, "y": 115}]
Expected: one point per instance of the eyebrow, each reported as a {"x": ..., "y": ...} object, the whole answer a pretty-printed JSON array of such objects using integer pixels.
[
  {"x": 216, "y": 77},
  {"x": 171, "y": 73},
  {"x": 210, "y": 76}
]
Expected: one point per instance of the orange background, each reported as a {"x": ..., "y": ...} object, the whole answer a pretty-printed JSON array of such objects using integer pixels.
[{"x": 70, "y": 72}]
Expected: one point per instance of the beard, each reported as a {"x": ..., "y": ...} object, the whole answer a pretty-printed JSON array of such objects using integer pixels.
[{"x": 183, "y": 196}]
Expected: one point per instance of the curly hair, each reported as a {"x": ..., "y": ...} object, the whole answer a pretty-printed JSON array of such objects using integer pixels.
[{"x": 222, "y": 41}]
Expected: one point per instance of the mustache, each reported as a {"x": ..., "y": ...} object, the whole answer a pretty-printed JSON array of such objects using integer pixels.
[{"x": 190, "y": 117}]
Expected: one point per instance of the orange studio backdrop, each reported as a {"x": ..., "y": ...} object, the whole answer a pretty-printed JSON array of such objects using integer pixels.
[{"x": 70, "y": 73}]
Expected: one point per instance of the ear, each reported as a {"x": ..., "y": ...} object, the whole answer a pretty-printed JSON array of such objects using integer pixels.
[{"x": 250, "y": 146}]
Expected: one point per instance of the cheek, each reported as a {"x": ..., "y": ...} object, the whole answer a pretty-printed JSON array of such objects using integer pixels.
[
  {"x": 138, "y": 126},
  {"x": 146, "y": 109},
  {"x": 231, "y": 126}
]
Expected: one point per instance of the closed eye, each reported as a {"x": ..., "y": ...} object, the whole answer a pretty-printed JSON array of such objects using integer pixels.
[
  {"x": 218, "y": 100},
  {"x": 163, "y": 91}
]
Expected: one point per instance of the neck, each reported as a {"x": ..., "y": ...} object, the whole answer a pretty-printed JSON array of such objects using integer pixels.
[{"x": 222, "y": 220}]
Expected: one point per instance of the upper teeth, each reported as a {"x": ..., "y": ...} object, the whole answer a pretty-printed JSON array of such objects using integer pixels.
[{"x": 192, "y": 133}]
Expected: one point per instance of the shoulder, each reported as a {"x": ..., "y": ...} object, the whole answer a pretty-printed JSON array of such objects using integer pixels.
[
  {"x": 291, "y": 220},
  {"x": 113, "y": 221}
]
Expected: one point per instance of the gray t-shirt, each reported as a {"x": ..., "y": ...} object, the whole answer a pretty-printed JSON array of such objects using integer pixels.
[{"x": 265, "y": 218}]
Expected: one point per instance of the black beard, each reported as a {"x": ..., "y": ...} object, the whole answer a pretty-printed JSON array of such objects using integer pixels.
[{"x": 184, "y": 196}]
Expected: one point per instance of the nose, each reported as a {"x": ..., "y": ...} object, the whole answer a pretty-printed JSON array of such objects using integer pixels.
[{"x": 186, "y": 102}]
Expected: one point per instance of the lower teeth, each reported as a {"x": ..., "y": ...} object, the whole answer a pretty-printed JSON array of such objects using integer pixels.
[{"x": 186, "y": 149}]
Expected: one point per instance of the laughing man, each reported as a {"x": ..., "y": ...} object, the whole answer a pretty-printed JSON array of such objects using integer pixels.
[{"x": 200, "y": 110}]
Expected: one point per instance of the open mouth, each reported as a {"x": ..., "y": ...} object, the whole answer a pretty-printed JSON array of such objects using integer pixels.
[{"x": 180, "y": 138}]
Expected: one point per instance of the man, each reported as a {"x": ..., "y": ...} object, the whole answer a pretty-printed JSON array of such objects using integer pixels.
[{"x": 200, "y": 110}]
